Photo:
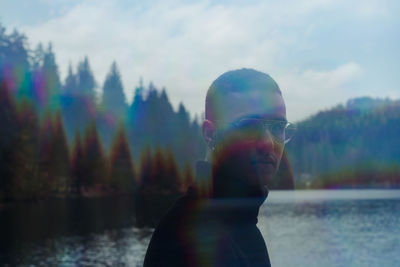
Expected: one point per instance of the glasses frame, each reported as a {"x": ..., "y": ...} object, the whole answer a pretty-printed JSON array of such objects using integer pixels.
[{"x": 266, "y": 126}]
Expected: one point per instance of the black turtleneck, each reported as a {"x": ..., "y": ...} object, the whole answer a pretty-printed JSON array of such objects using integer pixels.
[{"x": 215, "y": 230}]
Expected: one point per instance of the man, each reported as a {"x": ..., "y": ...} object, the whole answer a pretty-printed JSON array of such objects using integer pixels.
[{"x": 214, "y": 224}]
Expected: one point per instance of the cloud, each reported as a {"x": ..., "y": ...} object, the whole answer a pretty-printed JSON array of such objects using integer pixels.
[
  {"x": 181, "y": 47},
  {"x": 185, "y": 45},
  {"x": 311, "y": 90},
  {"x": 372, "y": 9}
]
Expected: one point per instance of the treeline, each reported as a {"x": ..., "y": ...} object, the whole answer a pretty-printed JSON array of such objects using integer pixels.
[
  {"x": 60, "y": 138},
  {"x": 351, "y": 145},
  {"x": 36, "y": 161}
]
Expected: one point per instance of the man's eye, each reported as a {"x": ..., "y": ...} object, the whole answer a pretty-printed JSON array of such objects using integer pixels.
[
  {"x": 278, "y": 129},
  {"x": 248, "y": 124}
]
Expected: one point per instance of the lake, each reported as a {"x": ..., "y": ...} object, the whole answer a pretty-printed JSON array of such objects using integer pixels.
[{"x": 301, "y": 228}]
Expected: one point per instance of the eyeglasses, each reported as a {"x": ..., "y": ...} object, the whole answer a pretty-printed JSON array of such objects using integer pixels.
[{"x": 281, "y": 130}]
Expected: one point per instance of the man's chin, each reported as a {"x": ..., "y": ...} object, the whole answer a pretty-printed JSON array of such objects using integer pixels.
[{"x": 264, "y": 172}]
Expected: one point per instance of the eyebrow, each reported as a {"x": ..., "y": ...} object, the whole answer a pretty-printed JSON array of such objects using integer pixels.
[{"x": 266, "y": 117}]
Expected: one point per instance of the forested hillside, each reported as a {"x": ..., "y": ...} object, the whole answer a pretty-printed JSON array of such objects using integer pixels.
[{"x": 351, "y": 145}]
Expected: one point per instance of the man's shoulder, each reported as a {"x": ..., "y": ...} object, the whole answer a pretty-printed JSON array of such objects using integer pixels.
[
  {"x": 166, "y": 243},
  {"x": 177, "y": 212}
]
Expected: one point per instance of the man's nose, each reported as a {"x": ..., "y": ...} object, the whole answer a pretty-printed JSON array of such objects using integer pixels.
[{"x": 265, "y": 141}]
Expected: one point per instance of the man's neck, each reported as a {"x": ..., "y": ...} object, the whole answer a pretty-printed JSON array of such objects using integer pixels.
[{"x": 215, "y": 182}]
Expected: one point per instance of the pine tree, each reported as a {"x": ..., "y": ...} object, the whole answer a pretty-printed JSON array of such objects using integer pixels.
[
  {"x": 45, "y": 79},
  {"x": 37, "y": 57},
  {"x": 136, "y": 110},
  {"x": 14, "y": 63},
  {"x": 198, "y": 148},
  {"x": 113, "y": 106},
  {"x": 52, "y": 82},
  {"x": 151, "y": 120},
  {"x": 25, "y": 153},
  {"x": 164, "y": 178},
  {"x": 8, "y": 134},
  {"x": 183, "y": 117},
  {"x": 166, "y": 126},
  {"x": 183, "y": 141},
  {"x": 122, "y": 174},
  {"x": 172, "y": 179},
  {"x": 38, "y": 94},
  {"x": 70, "y": 84},
  {"x": 78, "y": 106},
  {"x": 59, "y": 157},
  {"x": 94, "y": 159},
  {"x": 158, "y": 184},
  {"x": 113, "y": 99},
  {"x": 188, "y": 177},
  {"x": 146, "y": 168},
  {"x": 77, "y": 167},
  {"x": 46, "y": 183},
  {"x": 135, "y": 129},
  {"x": 86, "y": 82}
]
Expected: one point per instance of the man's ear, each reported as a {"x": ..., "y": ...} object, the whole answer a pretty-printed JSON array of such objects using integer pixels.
[{"x": 208, "y": 130}]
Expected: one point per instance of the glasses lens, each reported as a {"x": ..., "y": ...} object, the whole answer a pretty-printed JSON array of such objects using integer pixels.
[
  {"x": 277, "y": 129},
  {"x": 289, "y": 132},
  {"x": 281, "y": 131}
]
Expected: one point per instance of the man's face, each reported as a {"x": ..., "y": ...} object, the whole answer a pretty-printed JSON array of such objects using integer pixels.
[{"x": 256, "y": 155}]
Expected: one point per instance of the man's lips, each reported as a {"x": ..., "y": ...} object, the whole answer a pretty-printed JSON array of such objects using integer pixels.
[{"x": 266, "y": 160}]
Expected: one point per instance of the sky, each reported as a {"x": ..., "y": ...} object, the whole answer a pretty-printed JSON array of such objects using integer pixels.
[{"x": 320, "y": 52}]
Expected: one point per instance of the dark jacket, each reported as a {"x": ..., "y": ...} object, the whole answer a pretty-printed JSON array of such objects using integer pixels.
[{"x": 213, "y": 231}]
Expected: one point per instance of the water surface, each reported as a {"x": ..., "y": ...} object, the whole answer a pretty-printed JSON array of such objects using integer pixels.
[
  {"x": 301, "y": 228},
  {"x": 332, "y": 228}
]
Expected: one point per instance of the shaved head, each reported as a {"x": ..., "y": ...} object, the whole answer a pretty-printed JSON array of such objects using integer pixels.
[{"x": 242, "y": 82}]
